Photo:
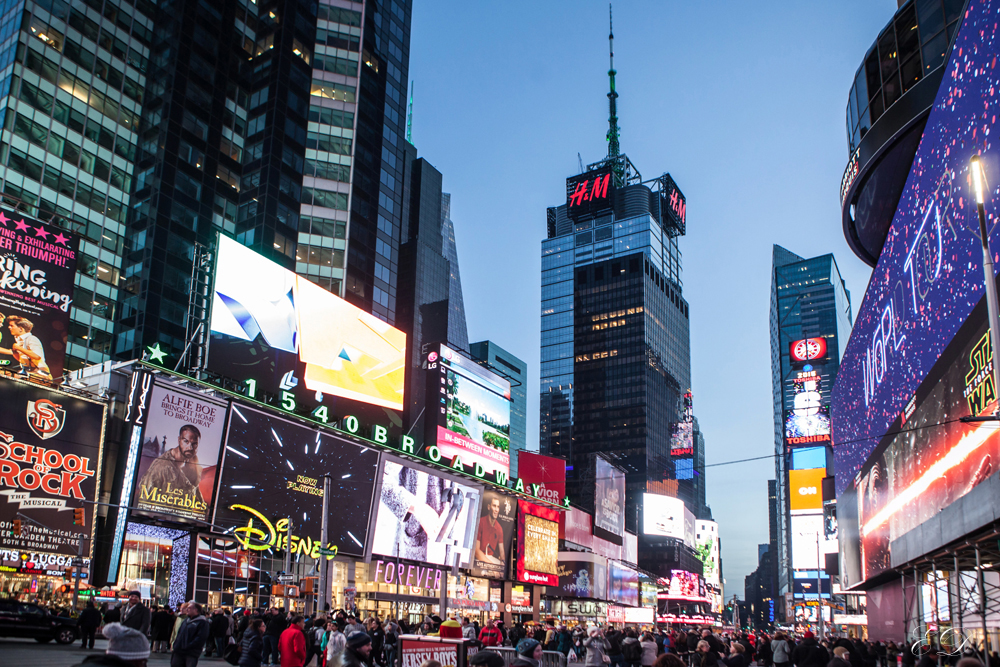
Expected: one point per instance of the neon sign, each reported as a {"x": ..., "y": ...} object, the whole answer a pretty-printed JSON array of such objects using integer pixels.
[
  {"x": 585, "y": 191},
  {"x": 807, "y": 349},
  {"x": 275, "y": 536}
]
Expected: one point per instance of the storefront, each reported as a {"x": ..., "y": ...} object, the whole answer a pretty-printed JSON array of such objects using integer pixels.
[
  {"x": 42, "y": 578},
  {"x": 620, "y": 616},
  {"x": 155, "y": 561},
  {"x": 574, "y": 612}
]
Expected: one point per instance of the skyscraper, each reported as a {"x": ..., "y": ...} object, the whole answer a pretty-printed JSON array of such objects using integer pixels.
[
  {"x": 810, "y": 323},
  {"x": 615, "y": 357},
  {"x": 505, "y": 364}
]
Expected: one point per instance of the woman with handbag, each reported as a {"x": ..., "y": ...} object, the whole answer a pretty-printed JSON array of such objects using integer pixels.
[{"x": 597, "y": 649}]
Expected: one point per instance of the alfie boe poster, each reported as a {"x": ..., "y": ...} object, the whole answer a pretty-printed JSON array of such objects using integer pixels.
[{"x": 180, "y": 455}]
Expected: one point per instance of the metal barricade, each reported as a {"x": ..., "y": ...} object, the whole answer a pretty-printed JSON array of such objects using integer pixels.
[{"x": 509, "y": 654}]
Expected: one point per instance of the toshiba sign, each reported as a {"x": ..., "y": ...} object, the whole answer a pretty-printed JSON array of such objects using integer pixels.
[{"x": 806, "y": 489}]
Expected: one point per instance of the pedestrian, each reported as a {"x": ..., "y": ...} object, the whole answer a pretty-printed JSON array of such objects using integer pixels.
[
  {"x": 357, "y": 653},
  {"x": 191, "y": 637},
  {"x": 113, "y": 614},
  {"x": 650, "y": 649},
  {"x": 160, "y": 626},
  {"x": 126, "y": 648},
  {"x": 335, "y": 644},
  {"x": 597, "y": 648},
  {"x": 529, "y": 653},
  {"x": 565, "y": 642},
  {"x": 737, "y": 656},
  {"x": 631, "y": 650},
  {"x": 275, "y": 626},
  {"x": 391, "y": 637},
  {"x": 468, "y": 629},
  {"x": 704, "y": 655},
  {"x": 377, "y": 634},
  {"x": 252, "y": 645},
  {"x": 490, "y": 635},
  {"x": 781, "y": 650},
  {"x": 136, "y": 615},
  {"x": 486, "y": 659},
  {"x": 292, "y": 644},
  {"x": 315, "y": 644},
  {"x": 89, "y": 621},
  {"x": 178, "y": 622},
  {"x": 809, "y": 653},
  {"x": 614, "y": 638}
]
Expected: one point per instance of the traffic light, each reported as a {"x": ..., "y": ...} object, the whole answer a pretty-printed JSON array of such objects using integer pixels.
[
  {"x": 17, "y": 526},
  {"x": 79, "y": 516}
]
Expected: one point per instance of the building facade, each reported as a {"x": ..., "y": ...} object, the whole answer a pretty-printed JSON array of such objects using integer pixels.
[{"x": 505, "y": 364}]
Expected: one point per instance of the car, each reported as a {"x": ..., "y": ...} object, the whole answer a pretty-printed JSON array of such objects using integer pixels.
[{"x": 24, "y": 619}]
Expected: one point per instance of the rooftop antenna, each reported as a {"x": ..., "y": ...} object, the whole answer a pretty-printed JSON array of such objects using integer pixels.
[
  {"x": 579, "y": 160},
  {"x": 409, "y": 116},
  {"x": 614, "y": 149}
]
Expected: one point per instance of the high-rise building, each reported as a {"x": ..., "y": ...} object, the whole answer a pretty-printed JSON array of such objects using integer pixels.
[
  {"x": 810, "y": 324},
  {"x": 615, "y": 348},
  {"x": 148, "y": 128},
  {"x": 505, "y": 364}
]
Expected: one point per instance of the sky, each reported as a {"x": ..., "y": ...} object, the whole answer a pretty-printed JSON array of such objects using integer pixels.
[{"x": 741, "y": 102}]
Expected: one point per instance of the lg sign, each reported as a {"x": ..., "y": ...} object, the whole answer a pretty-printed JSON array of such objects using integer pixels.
[{"x": 808, "y": 349}]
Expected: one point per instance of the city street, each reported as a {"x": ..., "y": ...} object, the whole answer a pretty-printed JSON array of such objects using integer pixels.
[{"x": 18, "y": 652}]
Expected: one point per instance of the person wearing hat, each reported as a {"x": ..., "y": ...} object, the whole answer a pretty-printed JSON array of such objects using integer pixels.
[
  {"x": 486, "y": 659},
  {"x": 529, "y": 653},
  {"x": 358, "y": 652},
  {"x": 136, "y": 614},
  {"x": 127, "y": 647}
]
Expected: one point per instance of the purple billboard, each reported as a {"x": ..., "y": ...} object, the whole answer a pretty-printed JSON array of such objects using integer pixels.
[{"x": 929, "y": 276}]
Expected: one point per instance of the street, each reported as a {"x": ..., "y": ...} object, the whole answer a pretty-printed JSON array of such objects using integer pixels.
[{"x": 30, "y": 652}]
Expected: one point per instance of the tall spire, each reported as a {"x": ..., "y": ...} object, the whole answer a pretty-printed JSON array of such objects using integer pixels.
[
  {"x": 614, "y": 150},
  {"x": 409, "y": 115}
]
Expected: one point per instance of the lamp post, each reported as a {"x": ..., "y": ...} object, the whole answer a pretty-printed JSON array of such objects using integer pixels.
[{"x": 976, "y": 169}]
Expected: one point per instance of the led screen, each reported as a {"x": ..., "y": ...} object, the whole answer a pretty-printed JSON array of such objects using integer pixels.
[
  {"x": 494, "y": 534},
  {"x": 662, "y": 516},
  {"x": 272, "y": 470},
  {"x": 685, "y": 585},
  {"x": 545, "y": 475},
  {"x": 473, "y": 407},
  {"x": 807, "y": 425},
  {"x": 804, "y": 531},
  {"x": 37, "y": 273},
  {"x": 930, "y": 273},
  {"x": 583, "y": 575},
  {"x": 609, "y": 501},
  {"x": 280, "y": 333},
  {"x": 805, "y": 489},
  {"x": 804, "y": 458},
  {"x": 623, "y": 584},
  {"x": 425, "y": 517},
  {"x": 180, "y": 455},
  {"x": 537, "y": 544},
  {"x": 707, "y": 550}
]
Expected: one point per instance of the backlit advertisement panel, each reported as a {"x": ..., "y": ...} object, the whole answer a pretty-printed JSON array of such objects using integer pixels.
[
  {"x": 663, "y": 516},
  {"x": 546, "y": 475},
  {"x": 807, "y": 350},
  {"x": 473, "y": 413},
  {"x": 805, "y": 426},
  {"x": 494, "y": 534},
  {"x": 805, "y": 530},
  {"x": 37, "y": 272},
  {"x": 623, "y": 584},
  {"x": 609, "y": 501},
  {"x": 280, "y": 334},
  {"x": 537, "y": 544},
  {"x": 50, "y": 464},
  {"x": 707, "y": 550},
  {"x": 424, "y": 516},
  {"x": 930, "y": 273},
  {"x": 685, "y": 585},
  {"x": 582, "y": 575},
  {"x": 273, "y": 469},
  {"x": 805, "y": 489},
  {"x": 180, "y": 454}
]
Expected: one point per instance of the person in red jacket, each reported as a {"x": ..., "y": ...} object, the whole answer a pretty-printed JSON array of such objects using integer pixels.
[
  {"x": 292, "y": 644},
  {"x": 490, "y": 635}
]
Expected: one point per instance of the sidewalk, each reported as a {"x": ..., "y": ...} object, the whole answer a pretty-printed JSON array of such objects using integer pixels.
[{"x": 28, "y": 652}]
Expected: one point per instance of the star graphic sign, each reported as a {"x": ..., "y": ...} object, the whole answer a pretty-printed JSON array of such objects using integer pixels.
[{"x": 156, "y": 354}]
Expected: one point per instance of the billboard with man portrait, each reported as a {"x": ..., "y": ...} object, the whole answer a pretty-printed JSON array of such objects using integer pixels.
[{"x": 493, "y": 535}]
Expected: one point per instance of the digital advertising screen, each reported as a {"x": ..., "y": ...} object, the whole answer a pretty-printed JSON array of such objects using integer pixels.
[
  {"x": 806, "y": 458},
  {"x": 583, "y": 575},
  {"x": 180, "y": 454},
  {"x": 804, "y": 584},
  {"x": 37, "y": 273},
  {"x": 425, "y": 516},
  {"x": 537, "y": 544},
  {"x": 929, "y": 275},
  {"x": 609, "y": 502},
  {"x": 50, "y": 464},
  {"x": 494, "y": 535},
  {"x": 273, "y": 470},
  {"x": 805, "y": 489},
  {"x": 707, "y": 550},
  {"x": 473, "y": 409},
  {"x": 663, "y": 516},
  {"x": 282, "y": 335},
  {"x": 685, "y": 585},
  {"x": 623, "y": 584},
  {"x": 807, "y": 350},
  {"x": 805, "y": 530},
  {"x": 805, "y": 426},
  {"x": 546, "y": 475}
]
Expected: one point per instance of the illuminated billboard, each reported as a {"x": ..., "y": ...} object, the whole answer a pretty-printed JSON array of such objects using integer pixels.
[
  {"x": 583, "y": 575},
  {"x": 684, "y": 585},
  {"x": 623, "y": 584},
  {"x": 707, "y": 550},
  {"x": 929, "y": 275},
  {"x": 590, "y": 193},
  {"x": 280, "y": 334},
  {"x": 545, "y": 475},
  {"x": 429, "y": 517},
  {"x": 805, "y": 426},
  {"x": 807, "y": 350},
  {"x": 662, "y": 516},
  {"x": 805, "y": 489},
  {"x": 805, "y": 530},
  {"x": 494, "y": 535},
  {"x": 609, "y": 502},
  {"x": 804, "y": 458},
  {"x": 472, "y": 409},
  {"x": 537, "y": 544}
]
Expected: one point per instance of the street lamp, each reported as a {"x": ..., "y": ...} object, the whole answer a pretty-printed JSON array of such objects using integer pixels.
[{"x": 976, "y": 169}]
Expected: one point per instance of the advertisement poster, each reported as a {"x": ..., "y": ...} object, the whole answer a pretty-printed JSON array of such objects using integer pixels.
[
  {"x": 280, "y": 334},
  {"x": 415, "y": 652},
  {"x": 583, "y": 575},
  {"x": 425, "y": 517},
  {"x": 474, "y": 413},
  {"x": 662, "y": 516},
  {"x": 493, "y": 535},
  {"x": 805, "y": 489},
  {"x": 623, "y": 584},
  {"x": 63, "y": 435},
  {"x": 37, "y": 270},
  {"x": 609, "y": 502},
  {"x": 273, "y": 469},
  {"x": 545, "y": 475},
  {"x": 180, "y": 454},
  {"x": 537, "y": 544},
  {"x": 685, "y": 585}
]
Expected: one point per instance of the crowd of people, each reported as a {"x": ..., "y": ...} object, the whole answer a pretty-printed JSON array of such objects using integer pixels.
[{"x": 275, "y": 638}]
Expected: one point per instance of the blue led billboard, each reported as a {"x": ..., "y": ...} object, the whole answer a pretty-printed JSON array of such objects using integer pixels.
[
  {"x": 929, "y": 276},
  {"x": 808, "y": 458}
]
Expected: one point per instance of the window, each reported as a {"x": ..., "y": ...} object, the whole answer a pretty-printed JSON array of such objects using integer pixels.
[
  {"x": 195, "y": 125},
  {"x": 259, "y": 97},
  {"x": 324, "y": 198},
  {"x": 332, "y": 91},
  {"x": 299, "y": 49},
  {"x": 228, "y": 177},
  {"x": 191, "y": 155},
  {"x": 332, "y": 117}
]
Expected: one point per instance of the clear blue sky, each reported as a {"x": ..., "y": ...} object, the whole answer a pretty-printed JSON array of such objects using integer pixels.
[{"x": 742, "y": 102}]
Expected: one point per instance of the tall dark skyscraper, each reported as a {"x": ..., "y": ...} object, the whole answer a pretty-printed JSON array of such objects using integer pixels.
[
  {"x": 615, "y": 357},
  {"x": 149, "y": 127}
]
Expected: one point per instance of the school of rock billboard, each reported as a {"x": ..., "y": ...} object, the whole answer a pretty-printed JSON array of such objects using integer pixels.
[
  {"x": 50, "y": 462},
  {"x": 37, "y": 270}
]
